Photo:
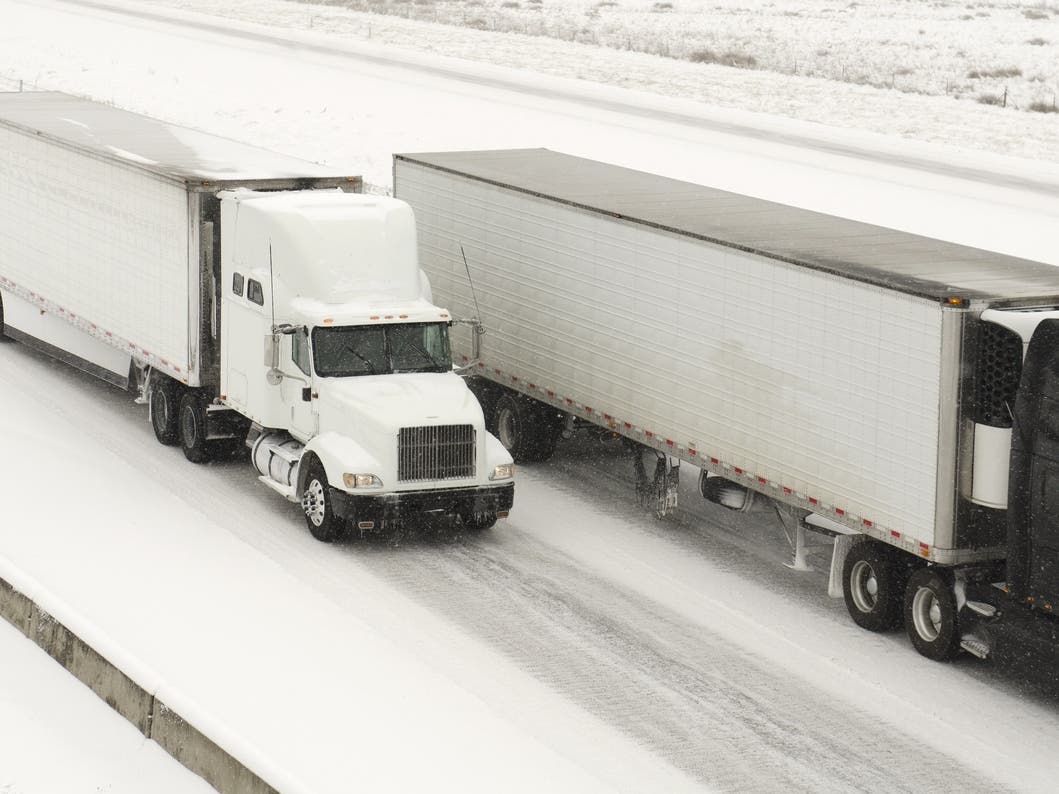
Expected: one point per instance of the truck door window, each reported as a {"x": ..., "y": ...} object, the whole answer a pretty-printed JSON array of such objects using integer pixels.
[
  {"x": 237, "y": 284},
  {"x": 300, "y": 350},
  {"x": 254, "y": 292}
]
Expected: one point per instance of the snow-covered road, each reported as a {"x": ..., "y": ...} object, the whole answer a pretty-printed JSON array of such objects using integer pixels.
[
  {"x": 687, "y": 637},
  {"x": 581, "y": 620}
]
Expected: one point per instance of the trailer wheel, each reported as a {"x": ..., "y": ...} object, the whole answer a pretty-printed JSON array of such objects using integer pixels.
[
  {"x": 528, "y": 430},
  {"x": 165, "y": 401},
  {"x": 192, "y": 419},
  {"x": 316, "y": 503},
  {"x": 873, "y": 585},
  {"x": 930, "y": 615},
  {"x": 478, "y": 521}
]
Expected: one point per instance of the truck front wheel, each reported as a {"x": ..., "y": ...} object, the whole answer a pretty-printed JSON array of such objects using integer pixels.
[
  {"x": 478, "y": 521},
  {"x": 318, "y": 505},
  {"x": 930, "y": 615},
  {"x": 872, "y": 586}
]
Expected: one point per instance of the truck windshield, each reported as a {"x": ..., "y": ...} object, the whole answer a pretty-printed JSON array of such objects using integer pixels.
[{"x": 381, "y": 349}]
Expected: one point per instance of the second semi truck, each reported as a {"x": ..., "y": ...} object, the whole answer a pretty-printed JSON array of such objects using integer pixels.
[{"x": 899, "y": 391}]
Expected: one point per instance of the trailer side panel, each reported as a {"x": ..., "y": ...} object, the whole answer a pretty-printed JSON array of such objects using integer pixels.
[
  {"x": 103, "y": 242},
  {"x": 798, "y": 379}
]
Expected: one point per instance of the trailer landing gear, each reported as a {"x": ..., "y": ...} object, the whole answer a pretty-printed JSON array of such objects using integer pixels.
[{"x": 660, "y": 491}]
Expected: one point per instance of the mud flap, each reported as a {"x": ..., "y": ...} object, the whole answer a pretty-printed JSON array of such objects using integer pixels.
[{"x": 843, "y": 543}]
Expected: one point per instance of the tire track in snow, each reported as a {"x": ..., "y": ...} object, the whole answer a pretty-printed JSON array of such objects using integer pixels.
[{"x": 692, "y": 697}]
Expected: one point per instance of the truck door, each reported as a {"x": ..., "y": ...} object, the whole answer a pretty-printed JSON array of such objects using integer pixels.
[
  {"x": 1033, "y": 494},
  {"x": 297, "y": 384}
]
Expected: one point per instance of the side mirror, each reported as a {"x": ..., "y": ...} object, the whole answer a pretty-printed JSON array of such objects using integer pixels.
[{"x": 273, "y": 376}]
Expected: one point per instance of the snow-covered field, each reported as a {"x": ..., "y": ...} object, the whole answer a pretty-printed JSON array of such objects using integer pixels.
[
  {"x": 580, "y": 643},
  {"x": 820, "y": 60}
]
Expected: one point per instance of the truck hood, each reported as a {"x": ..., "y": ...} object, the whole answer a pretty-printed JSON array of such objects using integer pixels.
[{"x": 384, "y": 403}]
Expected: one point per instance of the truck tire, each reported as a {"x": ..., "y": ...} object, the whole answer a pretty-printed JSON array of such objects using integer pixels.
[
  {"x": 931, "y": 616},
  {"x": 478, "y": 522},
  {"x": 192, "y": 423},
  {"x": 873, "y": 586},
  {"x": 528, "y": 429},
  {"x": 165, "y": 404},
  {"x": 317, "y": 505}
]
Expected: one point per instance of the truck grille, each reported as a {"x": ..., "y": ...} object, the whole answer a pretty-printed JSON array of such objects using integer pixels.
[{"x": 441, "y": 452}]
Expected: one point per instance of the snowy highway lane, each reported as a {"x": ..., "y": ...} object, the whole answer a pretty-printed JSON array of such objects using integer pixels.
[{"x": 686, "y": 636}]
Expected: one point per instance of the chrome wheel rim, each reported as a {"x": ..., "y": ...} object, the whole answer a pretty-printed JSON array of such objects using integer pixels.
[
  {"x": 864, "y": 586},
  {"x": 313, "y": 502},
  {"x": 926, "y": 614}
]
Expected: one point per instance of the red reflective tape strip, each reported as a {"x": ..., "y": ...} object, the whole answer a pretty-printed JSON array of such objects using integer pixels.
[
  {"x": 787, "y": 490},
  {"x": 669, "y": 443},
  {"x": 895, "y": 533},
  {"x": 866, "y": 522},
  {"x": 692, "y": 452},
  {"x": 737, "y": 470},
  {"x": 813, "y": 500},
  {"x": 628, "y": 425},
  {"x": 762, "y": 480},
  {"x": 715, "y": 462},
  {"x": 840, "y": 511},
  {"x": 648, "y": 433}
]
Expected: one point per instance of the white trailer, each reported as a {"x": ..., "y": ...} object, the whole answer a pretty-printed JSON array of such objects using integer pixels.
[
  {"x": 253, "y": 300},
  {"x": 863, "y": 377}
]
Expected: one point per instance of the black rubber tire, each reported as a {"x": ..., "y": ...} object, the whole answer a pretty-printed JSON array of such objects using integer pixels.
[
  {"x": 192, "y": 427},
  {"x": 873, "y": 580},
  {"x": 165, "y": 404},
  {"x": 317, "y": 505},
  {"x": 931, "y": 618},
  {"x": 528, "y": 429},
  {"x": 478, "y": 522}
]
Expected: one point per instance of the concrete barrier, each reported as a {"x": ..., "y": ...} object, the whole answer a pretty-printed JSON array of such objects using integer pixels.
[{"x": 153, "y": 718}]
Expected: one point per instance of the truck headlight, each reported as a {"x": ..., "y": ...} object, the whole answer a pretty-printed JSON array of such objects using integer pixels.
[
  {"x": 361, "y": 481},
  {"x": 503, "y": 471}
]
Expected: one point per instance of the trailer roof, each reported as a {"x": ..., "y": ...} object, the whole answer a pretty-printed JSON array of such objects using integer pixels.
[
  {"x": 194, "y": 158},
  {"x": 874, "y": 254}
]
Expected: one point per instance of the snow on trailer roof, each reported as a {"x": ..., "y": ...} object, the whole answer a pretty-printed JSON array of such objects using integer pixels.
[
  {"x": 886, "y": 257},
  {"x": 180, "y": 153}
]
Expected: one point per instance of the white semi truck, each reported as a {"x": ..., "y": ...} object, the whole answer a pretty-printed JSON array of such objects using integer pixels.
[
  {"x": 899, "y": 392},
  {"x": 252, "y": 300}
]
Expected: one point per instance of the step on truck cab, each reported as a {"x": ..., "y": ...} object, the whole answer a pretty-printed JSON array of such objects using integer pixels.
[{"x": 250, "y": 299}]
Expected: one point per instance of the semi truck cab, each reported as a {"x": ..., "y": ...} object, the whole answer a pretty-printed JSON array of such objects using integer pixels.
[{"x": 332, "y": 348}]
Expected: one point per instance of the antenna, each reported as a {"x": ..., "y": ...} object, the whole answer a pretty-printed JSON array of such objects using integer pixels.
[
  {"x": 470, "y": 281},
  {"x": 271, "y": 285}
]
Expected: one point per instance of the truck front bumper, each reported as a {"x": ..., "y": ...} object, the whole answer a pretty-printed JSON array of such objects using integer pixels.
[{"x": 396, "y": 506}]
